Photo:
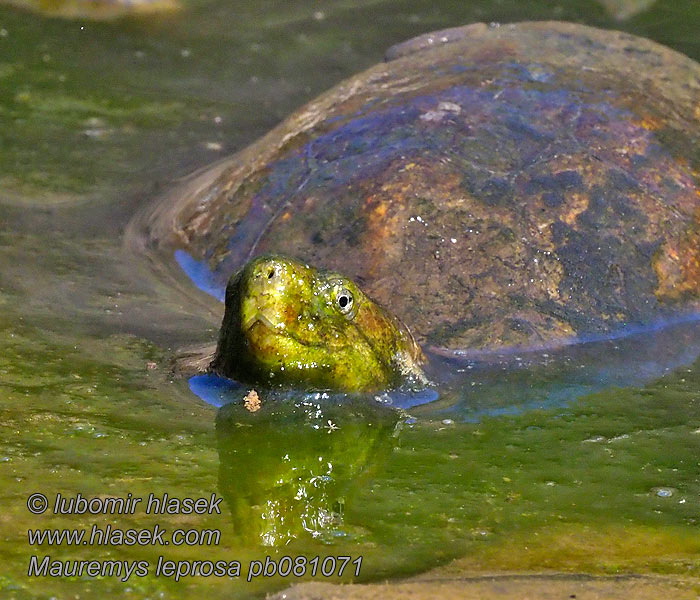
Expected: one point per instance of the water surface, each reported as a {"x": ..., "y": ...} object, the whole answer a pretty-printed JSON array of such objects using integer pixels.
[{"x": 583, "y": 461}]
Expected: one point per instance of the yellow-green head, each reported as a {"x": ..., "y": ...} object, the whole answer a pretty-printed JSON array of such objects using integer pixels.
[{"x": 290, "y": 324}]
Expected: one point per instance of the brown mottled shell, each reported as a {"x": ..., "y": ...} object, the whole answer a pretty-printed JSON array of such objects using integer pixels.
[{"x": 493, "y": 186}]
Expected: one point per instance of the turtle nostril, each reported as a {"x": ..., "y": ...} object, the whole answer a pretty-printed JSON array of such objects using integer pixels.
[{"x": 271, "y": 274}]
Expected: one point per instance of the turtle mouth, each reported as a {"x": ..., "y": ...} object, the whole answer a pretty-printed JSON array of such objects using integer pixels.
[
  {"x": 260, "y": 317},
  {"x": 259, "y": 327}
]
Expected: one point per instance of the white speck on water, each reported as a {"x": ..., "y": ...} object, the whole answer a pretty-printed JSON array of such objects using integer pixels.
[
  {"x": 480, "y": 533},
  {"x": 595, "y": 439},
  {"x": 453, "y": 240},
  {"x": 448, "y": 422},
  {"x": 432, "y": 115},
  {"x": 449, "y": 107},
  {"x": 663, "y": 492},
  {"x": 185, "y": 53},
  {"x": 97, "y": 134},
  {"x": 3, "y": 33},
  {"x": 319, "y": 15},
  {"x": 384, "y": 399}
]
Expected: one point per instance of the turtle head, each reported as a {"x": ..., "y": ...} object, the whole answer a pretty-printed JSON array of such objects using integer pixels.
[{"x": 290, "y": 324}]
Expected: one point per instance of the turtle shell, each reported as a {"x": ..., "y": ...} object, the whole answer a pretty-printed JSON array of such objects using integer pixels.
[{"x": 493, "y": 186}]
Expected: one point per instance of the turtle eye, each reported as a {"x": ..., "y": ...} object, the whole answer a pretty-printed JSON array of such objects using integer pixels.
[{"x": 344, "y": 300}]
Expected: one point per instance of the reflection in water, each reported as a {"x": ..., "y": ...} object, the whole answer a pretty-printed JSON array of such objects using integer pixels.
[
  {"x": 471, "y": 387},
  {"x": 200, "y": 274},
  {"x": 288, "y": 469},
  {"x": 216, "y": 391},
  {"x": 514, "y": 382}
]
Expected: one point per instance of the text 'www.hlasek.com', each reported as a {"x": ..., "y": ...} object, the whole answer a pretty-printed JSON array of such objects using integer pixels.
[{"x": 108, "y": 535}]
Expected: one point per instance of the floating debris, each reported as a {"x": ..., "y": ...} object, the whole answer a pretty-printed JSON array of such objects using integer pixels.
[{"x": 252, "y": 401}]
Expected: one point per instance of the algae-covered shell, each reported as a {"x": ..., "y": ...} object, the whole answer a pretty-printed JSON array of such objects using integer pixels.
[{"x": 493, "y": 186}]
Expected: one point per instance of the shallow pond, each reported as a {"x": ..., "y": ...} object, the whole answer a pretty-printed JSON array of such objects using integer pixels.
[{"x": 586, "y": 459}]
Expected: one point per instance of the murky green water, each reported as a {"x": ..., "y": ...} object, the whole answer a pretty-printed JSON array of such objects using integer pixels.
[{"x": 97, "y": 119}]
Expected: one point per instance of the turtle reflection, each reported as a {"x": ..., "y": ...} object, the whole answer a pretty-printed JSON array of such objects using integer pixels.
[{"x": 287, "y": 469}]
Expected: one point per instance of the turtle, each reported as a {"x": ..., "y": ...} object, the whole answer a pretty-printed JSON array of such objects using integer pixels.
[
  {"x": 286, "y": 322},
  {"x": 495, "y": 186}
]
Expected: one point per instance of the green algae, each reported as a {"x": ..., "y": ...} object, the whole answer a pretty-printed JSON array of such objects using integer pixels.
[
  {"x": 572, "y": 489},
  {"x": 82, "y": 104}
]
